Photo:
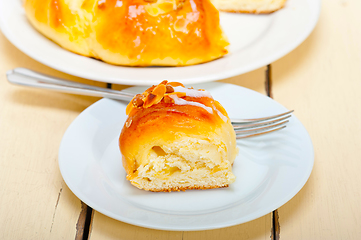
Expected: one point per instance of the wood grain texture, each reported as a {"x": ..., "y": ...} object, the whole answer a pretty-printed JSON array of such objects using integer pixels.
[
  {"x": 35, "y": 203},
  {"x": 321, "y": 80},
  {"x": 258, "y": 229},
  {"x": 106, "y": 228},
  {"x": 254, "y": 80}
]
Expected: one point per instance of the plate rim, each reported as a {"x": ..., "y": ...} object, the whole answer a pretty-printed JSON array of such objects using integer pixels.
[
  {"x": 255, "y": 215},
  {"x": 316, "y": 4}
]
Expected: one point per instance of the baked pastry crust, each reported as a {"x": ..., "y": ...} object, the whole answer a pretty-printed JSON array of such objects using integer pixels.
[
  {"x": 133, "y": 32},
  {"x": 249, "y": 6},
  {"x": 177, "y": 140}
]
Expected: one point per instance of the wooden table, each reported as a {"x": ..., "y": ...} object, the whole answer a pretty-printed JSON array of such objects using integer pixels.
[{"x": 321, "y": 80}]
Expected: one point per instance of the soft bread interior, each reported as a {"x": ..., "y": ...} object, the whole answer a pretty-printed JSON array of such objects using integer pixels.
[{"x": 190, "y": 163}]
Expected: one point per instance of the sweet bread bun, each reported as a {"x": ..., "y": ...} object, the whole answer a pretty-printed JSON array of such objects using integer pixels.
[
  {"x": 249, "y": 6},
  {"x": 133, "y": 32},
  {"x": 176, "y": 138}
]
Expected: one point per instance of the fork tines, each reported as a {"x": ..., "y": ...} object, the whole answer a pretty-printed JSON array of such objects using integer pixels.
[{"x": 253, "y": 127}]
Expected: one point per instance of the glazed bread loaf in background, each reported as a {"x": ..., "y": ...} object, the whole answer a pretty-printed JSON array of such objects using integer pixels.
[
  {"x": 249, "y": 6},
  {"x": 132, "y": 32},
  {"x": 177, "y": 138}
]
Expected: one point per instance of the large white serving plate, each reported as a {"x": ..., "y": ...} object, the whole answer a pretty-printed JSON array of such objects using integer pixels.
[
  {"x": 270, "y": 169},
  {"x": 256, "y": 40}
]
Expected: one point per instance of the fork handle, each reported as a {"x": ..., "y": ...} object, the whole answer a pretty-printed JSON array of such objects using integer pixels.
[{"x": 26, "y": 77}]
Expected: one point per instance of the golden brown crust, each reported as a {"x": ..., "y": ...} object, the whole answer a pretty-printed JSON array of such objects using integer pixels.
[
  {"x": 177, "y": 139},
  {"x": 147, "y": 124},
  {"x": 167, "y": 119},
  {"x": 129, "y": 32}
]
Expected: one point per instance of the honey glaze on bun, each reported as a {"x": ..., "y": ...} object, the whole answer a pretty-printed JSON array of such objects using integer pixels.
[
  {"x": 133, "y": 32},
  {"x": 177, "y": 138}
]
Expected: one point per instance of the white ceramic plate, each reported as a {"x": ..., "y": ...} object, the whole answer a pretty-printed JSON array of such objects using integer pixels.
[
  {"x": 256, "y": 40},
  {"x": 270, "y": 169}
]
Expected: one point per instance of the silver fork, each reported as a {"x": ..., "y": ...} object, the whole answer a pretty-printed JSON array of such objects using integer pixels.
[{"x": 244, "y": 128}]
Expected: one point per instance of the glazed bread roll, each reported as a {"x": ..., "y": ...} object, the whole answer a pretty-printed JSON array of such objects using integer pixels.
[
  {"x": 133, "y": 32},
  {"x": 176, "y": 138},
  {"x": 249, "y": 6}
]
